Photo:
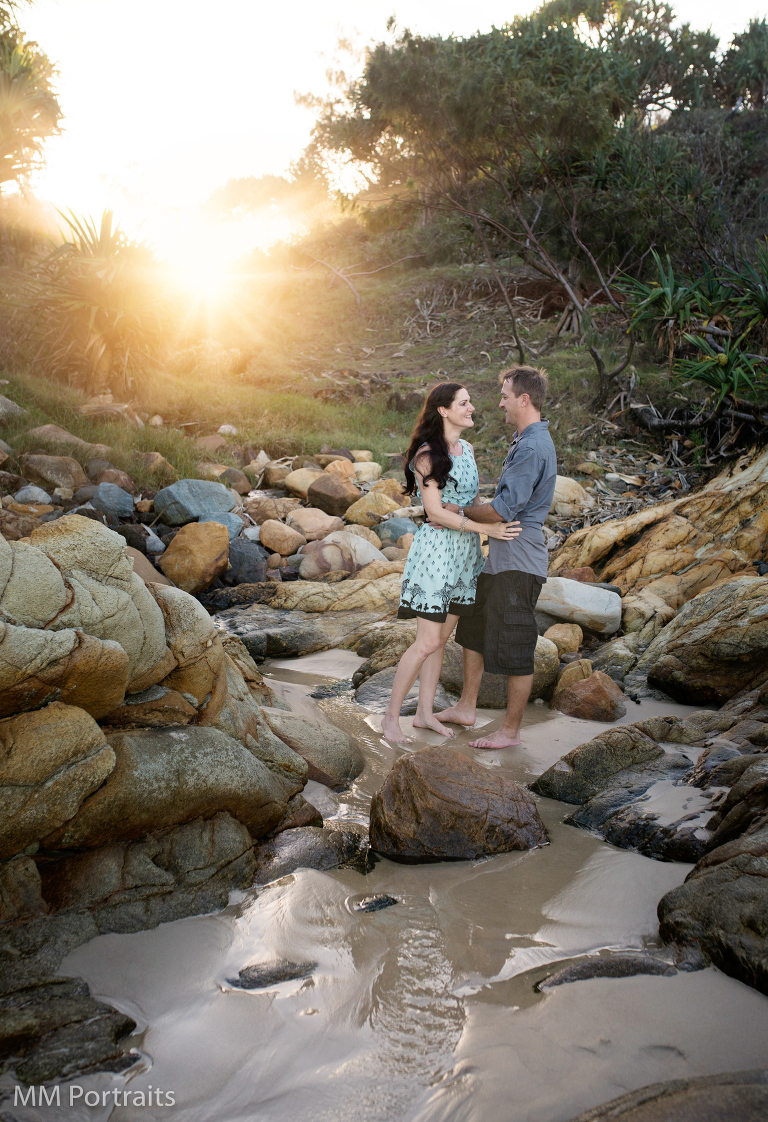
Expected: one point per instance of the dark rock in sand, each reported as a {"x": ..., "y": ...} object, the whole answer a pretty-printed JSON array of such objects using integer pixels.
[
  {"x": 585, "y": 771},
  {"x": 374, "y": 693},
  {"x": 57, "y": 1030},
  {"x": 261, "y": 975},
  {"x": 721, "y": 911},
  {"x": 438, "y": 805},
  {"x": 740, "y": 1096},
  {"x": 374, "y": 903},
  {"x": 610, "y": 776},
  {"x": 607, "y": 966},
  {"x": 721, "y": 765},
  {"x": 337, "y": 844}
]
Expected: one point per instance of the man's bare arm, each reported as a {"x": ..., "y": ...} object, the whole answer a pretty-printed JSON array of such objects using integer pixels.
[{"x": 480, "y": 512}]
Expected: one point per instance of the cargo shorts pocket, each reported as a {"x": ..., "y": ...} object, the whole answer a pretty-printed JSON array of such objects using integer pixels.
[{"x": 517, "y": 637}]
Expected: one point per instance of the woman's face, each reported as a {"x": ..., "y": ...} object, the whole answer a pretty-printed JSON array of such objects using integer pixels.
[{"x": 460, "y": 411}]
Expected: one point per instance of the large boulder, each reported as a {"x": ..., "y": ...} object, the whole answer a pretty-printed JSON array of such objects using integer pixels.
[
  {"x": 196, "y": 556},
  {"x": 745, "y": 808},
  {"x": 724, "y": 1097},
  {"x": 260, "y": 508},
  {"x": 156, "y": 707},
  {"x": 50, "y": 761},
  {"x": 91, "y": 586},
  {"x": 583, "y": 604},
  {"x": 436, "y": 805},
  {"x": 720, "y": 913},
  {"x": 594, "y": 698},
  {"x": 58, "y": 471},
  {"x": 197, "y": 653},
  {"x": 383, "y": 645},
  {"x": 163, "y": 777},
  {"x": 186, "y": 500},
  {"x": 277, "y": 633},
  {"x": 493, "y": 687},
  {"x": 333, "y": 493},
  {"x": 38, "y": 666},
  {"x": 715, "y": 646},
  {"x": 332, "y": 756},
  {"x": 313, "y": 523}
]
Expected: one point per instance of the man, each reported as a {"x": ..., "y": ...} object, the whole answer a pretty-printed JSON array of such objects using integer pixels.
[{"x": 500, "y": 634}]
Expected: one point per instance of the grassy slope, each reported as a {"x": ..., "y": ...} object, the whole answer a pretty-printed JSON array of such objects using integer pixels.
[{"x": 293, "y": 328}]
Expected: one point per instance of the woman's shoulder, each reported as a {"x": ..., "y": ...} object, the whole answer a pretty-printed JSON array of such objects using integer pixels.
[{"x": 468, "y": 447}]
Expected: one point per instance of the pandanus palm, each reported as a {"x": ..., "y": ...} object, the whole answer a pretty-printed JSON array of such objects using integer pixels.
[{"x": 98, "y": 312}]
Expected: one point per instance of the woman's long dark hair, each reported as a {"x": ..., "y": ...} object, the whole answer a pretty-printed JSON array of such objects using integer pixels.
[{"x": 429, "y": 430}]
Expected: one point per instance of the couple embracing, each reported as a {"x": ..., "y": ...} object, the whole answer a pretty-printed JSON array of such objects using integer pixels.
[{"x": 448, "y": 581}]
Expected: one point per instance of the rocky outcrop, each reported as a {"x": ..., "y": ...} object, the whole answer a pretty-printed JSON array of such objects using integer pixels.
[
  {"x": 715, "y": 646},
  {"x": 277, "y": 633},
  {"x": 585, "y": 771},
  {"x": 720, "y": 913},
  {"x": 38, "y": 667},
  {"x": 163, "y": 778},
  {"x": 51, "y": 760},
  {"x": 332, "y": 846},
  {"x": 363, "y": 596},
  {"x": 437, "y": 805},
  {"x": 75, "y": 574}
]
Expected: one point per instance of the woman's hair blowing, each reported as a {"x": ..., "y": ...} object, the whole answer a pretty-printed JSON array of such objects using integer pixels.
[{"x": 429, "y": 431}]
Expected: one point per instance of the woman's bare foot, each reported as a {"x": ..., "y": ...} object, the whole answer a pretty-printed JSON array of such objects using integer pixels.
[
  {"x": 391, "y": 731},
  {"x": 497, "y": 739},
  {"x": 459, "y": 715},
  {"x": 431, "y": 722}
]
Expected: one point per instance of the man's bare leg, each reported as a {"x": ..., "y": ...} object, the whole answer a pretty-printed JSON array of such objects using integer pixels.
[
  {"x": 428, "y": 678},
  {"x": 465, "y": 710},
  {"x": 518, "y": 692},
  {"x": 426, "y": 643}
]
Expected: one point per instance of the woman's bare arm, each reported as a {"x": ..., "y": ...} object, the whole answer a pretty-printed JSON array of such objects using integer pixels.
[{"x": 438, "y": 515}]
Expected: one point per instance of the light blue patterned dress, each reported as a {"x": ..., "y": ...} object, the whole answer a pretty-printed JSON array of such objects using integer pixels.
[{"x": 443, "y": 565}]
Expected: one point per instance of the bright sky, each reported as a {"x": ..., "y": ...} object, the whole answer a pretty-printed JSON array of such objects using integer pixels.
[{"x": 164, "y": 100}]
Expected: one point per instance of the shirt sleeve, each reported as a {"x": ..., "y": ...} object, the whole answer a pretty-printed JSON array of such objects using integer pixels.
[{"x": 517, "y": 483}]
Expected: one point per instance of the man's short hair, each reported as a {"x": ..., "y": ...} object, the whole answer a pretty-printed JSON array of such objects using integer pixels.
[{"x": 527, "y": 379}]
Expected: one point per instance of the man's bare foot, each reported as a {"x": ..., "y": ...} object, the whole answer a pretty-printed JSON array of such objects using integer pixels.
[
  {"x": 497, "y": 739},
  {"x": 431, "y": 722},
  {"x": 391, "y": 731},
  {"x": 457, "y": 715}
]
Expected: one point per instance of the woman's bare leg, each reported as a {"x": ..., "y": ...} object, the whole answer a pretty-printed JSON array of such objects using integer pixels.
[
  {"x": 428, "y": 678},
  {"x": 427, "y": 642}
]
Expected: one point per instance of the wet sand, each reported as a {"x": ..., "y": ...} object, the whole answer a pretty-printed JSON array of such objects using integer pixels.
[{"x": 423, "y": 1012}]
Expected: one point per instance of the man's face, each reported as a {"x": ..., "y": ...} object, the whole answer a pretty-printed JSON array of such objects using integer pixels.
[{"x": 511, "y": 404}]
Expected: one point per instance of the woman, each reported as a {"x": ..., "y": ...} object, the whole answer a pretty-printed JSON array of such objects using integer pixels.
[{"x": 445, "y": 558}]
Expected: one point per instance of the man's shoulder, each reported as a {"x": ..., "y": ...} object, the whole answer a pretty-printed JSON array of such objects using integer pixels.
[{"x": 537, "y": 438}]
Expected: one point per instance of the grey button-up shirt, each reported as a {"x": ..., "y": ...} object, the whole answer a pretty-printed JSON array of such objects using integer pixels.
[{"x": 524, "y": 494}]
